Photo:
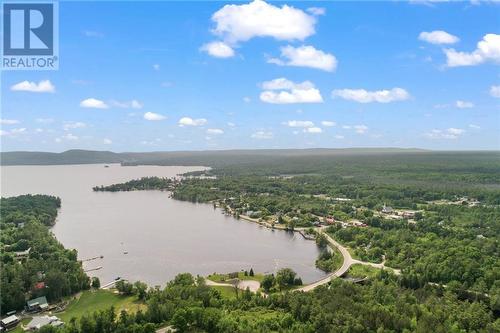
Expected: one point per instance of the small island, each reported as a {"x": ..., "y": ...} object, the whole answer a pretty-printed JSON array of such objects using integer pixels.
[{"x": 144, "y": 183}]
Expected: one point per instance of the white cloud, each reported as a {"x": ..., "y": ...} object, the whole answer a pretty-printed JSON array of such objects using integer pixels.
[
  {"x": 156, "y": 67},
  {"x": 487, "y": 49},
  {"x": 218, "y": 49},
  {"x": 247, "y": 99},
  {"x": 262, "y": 135},
  {"x": 73, "y": 124},
  {"x": 464, "y": 104},
  {"x": 93, "y": 104},
  {"x": 153, "y": 116},
  {"x": 340, "y": 137},
  {"x": 317, "y": 11},
  {"x": 314, "y": 130},
  {"x": 360, "y": 129},
  {"x": 215, "y": 131},
  {"x": 380, "y": 96},
  {"x": 305, "y": 56},
  {"x": 44, "y": 86},
  {"x": 133, "y": 104},
  {"x": 107, "y": 141},
  {"x": 290, "y": 92},
  {"x": 186, "y": 121},
  {"x": 230, "y": 124},
  {"x": 495, "y": 91},
  {"x": 450, "y": 133},
  {"x": 68, "y": 137},
  {"x": 9, "y": 121},
  {"x": 236, "y": 23},
  {"x": 327, "y": 123},
  {"x": 299, "y": 123},
  {"x": 475, "y": 126},
  {"x": 13, "y": 132},
  {"x": 438, "y": 37},
  {"x": 346, "y": 127}
]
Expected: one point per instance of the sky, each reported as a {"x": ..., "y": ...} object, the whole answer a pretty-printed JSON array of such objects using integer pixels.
[{"x": 151, "y": 76}]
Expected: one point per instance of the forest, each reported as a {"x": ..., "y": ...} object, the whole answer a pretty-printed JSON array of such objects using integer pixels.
[{"x": 47, "y": 269}]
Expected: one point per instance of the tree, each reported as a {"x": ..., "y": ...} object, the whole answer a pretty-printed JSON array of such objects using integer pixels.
[
  {"x": 180, "y": 321},
  {"x": 268, "y": 282},
  {"x": 285, "y": 277},
  {"x": 251, "y": 272},
  {"x": 96, "y": 283},
  {"x": 140, "y": 289}
]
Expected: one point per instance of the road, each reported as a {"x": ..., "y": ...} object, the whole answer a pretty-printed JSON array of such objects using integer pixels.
[{"x": 347, "y": 263}]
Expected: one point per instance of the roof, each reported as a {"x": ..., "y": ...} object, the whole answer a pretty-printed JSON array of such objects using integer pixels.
[
  {"x": 40, "y": 321},
  {"x": 40, "y": 301},
  {"x": 9, "y": 320}
]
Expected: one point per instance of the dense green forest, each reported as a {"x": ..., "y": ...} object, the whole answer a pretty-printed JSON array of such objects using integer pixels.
[
  {"x": 145, "y": 183},
  {"x": 382, "y": 305},
  {"x": 33, "y": 262},
  {"x": 447, "y": 247}
]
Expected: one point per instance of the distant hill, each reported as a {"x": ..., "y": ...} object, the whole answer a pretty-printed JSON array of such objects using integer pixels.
[{"x": 208, "y": 158}]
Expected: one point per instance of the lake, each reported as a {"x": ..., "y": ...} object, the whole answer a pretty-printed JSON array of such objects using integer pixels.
[{"x": 147, "y": 236}]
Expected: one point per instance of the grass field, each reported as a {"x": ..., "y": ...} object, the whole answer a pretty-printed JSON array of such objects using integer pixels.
[
  {"x": 216, "y": 277},
  {"x": 90, "y": 301},
  {"x": 361, "y": 271},
  {"x": 226, "y": 292}
]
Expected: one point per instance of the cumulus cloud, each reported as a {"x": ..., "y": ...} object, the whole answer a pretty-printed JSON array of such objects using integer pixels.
[
  {"x": 495, "y": 91},
  {"x": 215, "y": 131},
  {"x": 262, "y": 135},
  {"x": 187, "y": 121},
  {"x": 305, "y": 56},
  {"x": 133, "y": 104},
  {"x": 450, "y": 133},
  {"x": 44, "y": 86},
  {"x": 327, "y": 123},
  {"x": 473, "y": 126},
  {"x": 151, "y": 116},
  {"x": 338, "y": 136},
  {"x": 488, "y": 49},
  {"x": 360, "y": 129},
  {"x": 14, "y": 132},
  {"x": 247, "y": 99},
  {"x": 156, "y": 67},
  {"x": 107, "y": 141},
  {"x": 218, "y": 49},
  {"x": 93, "y": 103},
  {"x": 314, "y": 130},
  {"x": 9, "y": 121},
  {"x": 379, "y": 96},
  {"x": 464, "y": 104},
  {"x": 235, "y": 23},
  {"x": 317, "y": 11},
  {"x": 289, "y": 92},
  {"x": 299, "y": 123},
  {"x": 438, "y": 37},
  {"x": 67, "y": 137},
  {"x": 73, "y": 124}
]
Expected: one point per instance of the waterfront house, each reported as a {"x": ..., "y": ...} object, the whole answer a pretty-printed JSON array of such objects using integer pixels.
[
  {"x": 22, "y": 254},
  {"x": 37, "y": 304},
  {"x": 387, "y": 209},
  {"x": 9, "y": 322},
  {"x": 40, "y": 321}
]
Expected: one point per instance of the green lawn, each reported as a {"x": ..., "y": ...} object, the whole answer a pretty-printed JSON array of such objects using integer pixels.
[
  {"x": 217, "y": 277},
  {"x": 226, "y": 292},
  {"x": 91, "y": 301},
  {"x": 361, "y": 271}
]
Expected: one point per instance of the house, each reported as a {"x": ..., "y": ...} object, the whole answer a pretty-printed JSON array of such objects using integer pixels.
[
  {"x": 9, "y": 322},
  {"x": 22, "y": 254},
  {"x": 39, "y": 285},
  {"x": 40, "y": 321},
  {"x": 408, "y": 214},
  {"x": 387, "y": 209},
  {"x": 329, "y": 220},
  {"x": 37, "y": 304}
]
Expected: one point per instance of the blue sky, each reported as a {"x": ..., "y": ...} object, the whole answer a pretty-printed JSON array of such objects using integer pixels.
[{"x": 223, "y": 75}]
